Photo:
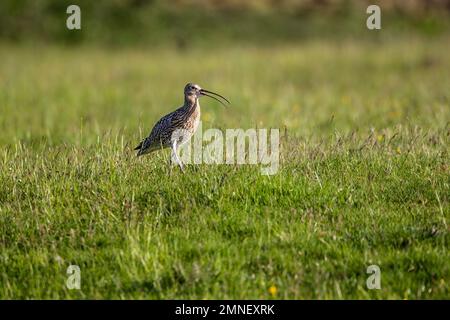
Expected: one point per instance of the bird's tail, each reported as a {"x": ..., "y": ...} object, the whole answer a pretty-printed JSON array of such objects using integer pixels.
[
  {"x": 144, "y": 149},
  {"x": 139, "y": 146}
]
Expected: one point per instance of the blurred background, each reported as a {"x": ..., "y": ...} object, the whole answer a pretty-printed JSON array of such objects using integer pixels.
[
  {"x": 186, "y": 23},
  {"x": 312, "y": 67}
]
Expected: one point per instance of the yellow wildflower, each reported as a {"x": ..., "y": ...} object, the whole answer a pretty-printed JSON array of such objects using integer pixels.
[{"x": 273, "y": 290}]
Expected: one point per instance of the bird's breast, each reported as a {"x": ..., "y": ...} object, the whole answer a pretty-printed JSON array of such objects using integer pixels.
[
  {"x": 192, "y": 122},
  {"x": 196, "y": 121}
]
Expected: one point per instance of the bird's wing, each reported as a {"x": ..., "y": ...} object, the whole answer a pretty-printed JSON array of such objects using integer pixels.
[{"x": 159, "y": 136}]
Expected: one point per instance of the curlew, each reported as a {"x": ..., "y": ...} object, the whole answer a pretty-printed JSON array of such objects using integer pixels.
[{"x": 177, "y": 127}]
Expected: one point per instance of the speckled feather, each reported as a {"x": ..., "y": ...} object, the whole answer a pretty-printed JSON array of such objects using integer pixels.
[{"x": 185, "y": 118}]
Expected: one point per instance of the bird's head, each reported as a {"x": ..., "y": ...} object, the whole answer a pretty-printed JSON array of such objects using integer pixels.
[{"x": 193, "y": 91}]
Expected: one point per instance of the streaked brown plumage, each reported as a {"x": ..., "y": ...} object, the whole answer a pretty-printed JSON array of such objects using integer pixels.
[{"x": 177, "y": 127}]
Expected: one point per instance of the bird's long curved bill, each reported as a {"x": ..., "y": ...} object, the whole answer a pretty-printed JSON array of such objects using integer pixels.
[{"x": 205, "y": 93}]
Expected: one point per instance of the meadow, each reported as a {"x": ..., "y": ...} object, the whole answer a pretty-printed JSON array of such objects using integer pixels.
[{"x": 363, "y": 179}]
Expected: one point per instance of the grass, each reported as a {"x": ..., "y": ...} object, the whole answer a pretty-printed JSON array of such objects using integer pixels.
[{"x": 364, "y": 174}]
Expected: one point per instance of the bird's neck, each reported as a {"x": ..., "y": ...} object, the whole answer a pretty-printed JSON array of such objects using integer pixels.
[{"x": 191, "y": 104}]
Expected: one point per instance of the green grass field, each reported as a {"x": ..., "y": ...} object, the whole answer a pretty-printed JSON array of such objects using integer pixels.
[{"x": 364, "y": 173}]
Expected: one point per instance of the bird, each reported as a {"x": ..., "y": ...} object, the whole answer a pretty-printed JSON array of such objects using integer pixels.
[{"x": 177, "y": 127}]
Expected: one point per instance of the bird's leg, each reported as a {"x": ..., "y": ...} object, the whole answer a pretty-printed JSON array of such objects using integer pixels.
[{"x": 175, "y": 155}]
